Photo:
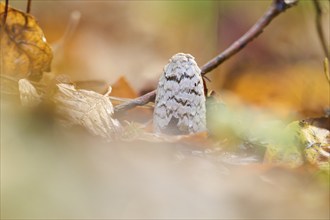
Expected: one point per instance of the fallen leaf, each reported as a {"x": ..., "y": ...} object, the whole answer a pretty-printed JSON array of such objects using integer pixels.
[
  {"x": 25, "y": 52},
  {"x": 199, "y": 139},
  {"x": 28, "y": 93},
  {"x": 316, "y": 144},
  {"x": 308, "y": 144},
  {"x": 88, "y": 109},
  {"x": 121, "y": 88},
  {"x": 122, "y": 91}
]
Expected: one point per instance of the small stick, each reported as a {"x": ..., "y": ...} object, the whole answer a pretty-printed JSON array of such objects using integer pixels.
[
  {"x": 5, "y": 13},
  {"x": 28, "y": 7},
  {"x": 318, "y": 23},
  {"x": 277, "y": 7},
  {"x": 139, "y": 101},
  {"x": 326, "y": 69}
]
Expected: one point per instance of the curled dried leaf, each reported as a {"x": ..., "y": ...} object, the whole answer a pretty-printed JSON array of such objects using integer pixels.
[
  {"x": 316, "y": 143},
  {"x": 24, "y": 49},
  {"x": 89, "y": 109},
  {"x": 28, "y": 93},
  {"x": 309, "y": 144}
]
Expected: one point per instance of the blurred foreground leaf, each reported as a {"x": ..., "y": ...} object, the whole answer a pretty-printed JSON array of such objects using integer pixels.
[
  {"x": 240, "y": 122},
  {"x": 24, "y": 50},
  {"x": 49, "y": 174},
  {"x": 287, "y": 152}
]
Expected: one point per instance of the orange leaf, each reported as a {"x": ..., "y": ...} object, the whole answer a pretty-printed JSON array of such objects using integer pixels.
[{"x": 123, "y": 89}]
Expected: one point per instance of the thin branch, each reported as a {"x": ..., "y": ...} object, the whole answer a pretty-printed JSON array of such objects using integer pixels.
[
  {"x": 140, "y": 101},
  {"x": 118, "y": 100},
  {"x": 318, "y": 23},
  {"x": 28, "y": 6},
  {"x": 277, "y": 7},
  {"x": 326, "y": 69},
  {"x": 5, "y": 13}
]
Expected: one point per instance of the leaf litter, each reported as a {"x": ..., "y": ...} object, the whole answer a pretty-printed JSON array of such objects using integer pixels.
[
  {"x": 30, "y": 56},
  {"x": 300, "y": 143},
  {"x": 88, "y": 109}
]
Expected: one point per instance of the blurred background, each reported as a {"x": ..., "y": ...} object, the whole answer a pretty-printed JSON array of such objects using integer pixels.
[
  {"x": 281, "y": 70},
  {"x": 48, "y": 171}
]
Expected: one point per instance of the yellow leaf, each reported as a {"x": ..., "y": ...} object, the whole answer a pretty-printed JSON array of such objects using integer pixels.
[{"x": 24, "y": 50}]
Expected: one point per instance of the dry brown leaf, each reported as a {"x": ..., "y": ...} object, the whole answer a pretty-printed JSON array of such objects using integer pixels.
[
  {"x": 28, "y": 93},
  {"x": 24, "y": 50},
  {"x": 199, "y": 139},
  {"x": 121, "y": 88},
  {"x": 88, "y": 109}
]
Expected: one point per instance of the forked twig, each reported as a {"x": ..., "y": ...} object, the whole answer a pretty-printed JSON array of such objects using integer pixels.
[{"x": 277, "y": 7}]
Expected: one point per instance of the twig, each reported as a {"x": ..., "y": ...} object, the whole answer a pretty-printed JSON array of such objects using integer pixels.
[
  {"x": 28, "y": 6},
  {"x": 5, "y": 13},
  {"x": 122, "y": 100},
  {"x": 326, "y": 69},
  {"x": 320, "y": 32},
  {"x": 277, "y": 7},
  {"x": 142, "y": 100}
]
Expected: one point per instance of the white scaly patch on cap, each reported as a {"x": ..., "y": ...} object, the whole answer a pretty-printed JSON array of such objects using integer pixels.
[{"x": 180, "y": 100}]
